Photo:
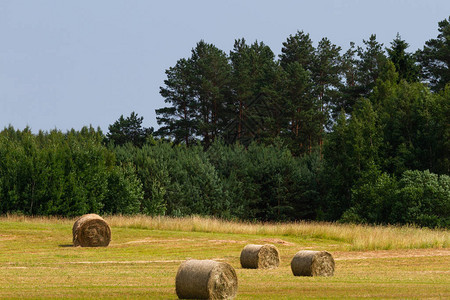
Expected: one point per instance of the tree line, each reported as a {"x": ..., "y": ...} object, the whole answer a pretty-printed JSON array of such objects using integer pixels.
[
  {"x": 78, "y": 172},
  {"x": 248, "y": 95},
  {"x": 361, "y": 136}
]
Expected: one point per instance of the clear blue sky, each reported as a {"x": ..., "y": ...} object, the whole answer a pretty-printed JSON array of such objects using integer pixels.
[{"x": 66, "y": 64}]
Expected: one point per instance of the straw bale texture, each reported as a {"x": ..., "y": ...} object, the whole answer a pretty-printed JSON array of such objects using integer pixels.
[
  {"x": 206, "y": 279},
  {"x": 312, "y": 263},
  {"x": 91, "y": 230},
  {"x": 260, "y": 257}
]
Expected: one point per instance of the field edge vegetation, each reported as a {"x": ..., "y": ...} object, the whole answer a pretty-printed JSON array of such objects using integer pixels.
[{"x": 355, "y": 237}]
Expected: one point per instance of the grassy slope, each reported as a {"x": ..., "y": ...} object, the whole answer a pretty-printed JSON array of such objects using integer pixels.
[{"x": 37, "y": 260}]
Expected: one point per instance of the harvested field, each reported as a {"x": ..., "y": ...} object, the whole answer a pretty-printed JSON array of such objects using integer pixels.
[{"x": 37, "y": 260}]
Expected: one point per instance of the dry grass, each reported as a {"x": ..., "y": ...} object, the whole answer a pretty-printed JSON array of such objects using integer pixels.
[
  {"x": 37, "y": 261},
  {"x": 36, "y": 219},
  {"x": 356, "y": 237}
]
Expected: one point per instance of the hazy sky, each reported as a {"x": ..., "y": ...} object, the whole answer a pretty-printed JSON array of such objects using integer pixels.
[{"x": 66, "y": 64}]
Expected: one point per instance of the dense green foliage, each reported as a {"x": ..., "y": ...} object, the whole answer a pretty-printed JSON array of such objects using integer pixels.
[
  {"x": 128, "y": 130},
  {"x": 74, "y": 173},
  {"x": 63, "y": 174},
  {"x": 258, "y": 183},
  {"x": 314, "y": 135}
]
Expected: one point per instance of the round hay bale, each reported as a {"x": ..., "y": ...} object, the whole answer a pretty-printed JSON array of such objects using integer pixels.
[
  {"x": 312, "y": 263},
  {"x": 206, "y": 279},
  {"x": 91, "y": 231},
  {"x": 260, "y": 257}
]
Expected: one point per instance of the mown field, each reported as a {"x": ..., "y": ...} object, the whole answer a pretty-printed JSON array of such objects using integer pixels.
[{"x": 37, "y": 259}]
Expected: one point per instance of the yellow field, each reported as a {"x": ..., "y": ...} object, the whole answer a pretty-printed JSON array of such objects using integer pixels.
[{"x": 37, "y": 259}]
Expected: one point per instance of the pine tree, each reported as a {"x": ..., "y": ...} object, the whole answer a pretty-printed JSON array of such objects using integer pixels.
[
  {"x": 370, "y": 64},
  {"x": 350, "y": 91},
  {"x": 298, "y": 48},
  {"x": 197, "y": 89},
  {"x": 361, "y": 67},
  {"x": 435, "y": 58},
  {"x": 179, "y": 119},
  {"x": 297, "y": 60},
  {"x": 255, "y": 102},
  {"x": 128, "y": 130},
  {"x": 301, "y": 109},
  {"x": 326, "y": 74},
  {"x": 405, "y": 63},
  {"x": 211, "y": 90},
  {"x": 323, "y": 67}
]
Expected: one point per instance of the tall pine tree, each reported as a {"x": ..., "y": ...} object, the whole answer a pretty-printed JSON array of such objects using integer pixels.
[
  {"x": 434, "y": 58},
  {"x": 178, "y": 120},
  {"x": 211, "y": 90},
  {"x": 197, "y": 89},
  {"x": 405, "y": 63},
  {"x": 255, "y": 77}
]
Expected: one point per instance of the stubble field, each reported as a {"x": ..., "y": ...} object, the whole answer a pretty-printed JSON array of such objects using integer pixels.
[{"x": 37, "y": 259}]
